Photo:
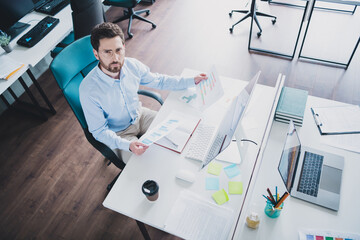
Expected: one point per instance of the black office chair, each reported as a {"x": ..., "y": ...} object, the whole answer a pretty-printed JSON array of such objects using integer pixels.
[
  {"x": 86, "y": 14},
  {"x": 252, "y": 12},
  {"x": 69, "y": 68},
  {"x": 130, "y": 13}
]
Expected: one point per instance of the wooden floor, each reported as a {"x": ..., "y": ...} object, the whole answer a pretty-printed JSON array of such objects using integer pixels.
[{"x": 53, "y": 182}]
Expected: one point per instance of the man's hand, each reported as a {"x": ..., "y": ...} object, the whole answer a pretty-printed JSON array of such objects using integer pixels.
[
  {"x": 138, "y": 148},
  {"x": 200, "y": 77}
]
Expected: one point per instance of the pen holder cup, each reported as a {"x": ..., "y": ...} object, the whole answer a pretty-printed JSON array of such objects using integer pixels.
[{"x": 272, "y": 212}]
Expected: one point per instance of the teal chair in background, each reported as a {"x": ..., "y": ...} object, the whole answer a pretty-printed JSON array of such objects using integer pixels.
[
  {"x": 69, "y": 68},
  {"x": 130, "y": 13}
]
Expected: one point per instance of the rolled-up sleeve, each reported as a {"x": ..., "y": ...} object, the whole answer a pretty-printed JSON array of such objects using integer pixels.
[{"x": 162, "y": 81}]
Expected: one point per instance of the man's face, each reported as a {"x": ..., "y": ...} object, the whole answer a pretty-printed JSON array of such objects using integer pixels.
[{"x": 111, "y": 54}]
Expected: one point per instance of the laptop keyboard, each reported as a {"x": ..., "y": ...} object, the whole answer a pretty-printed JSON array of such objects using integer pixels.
[
  {"x": 310, "y": 174},
  {"x": 199, "y": 147}
]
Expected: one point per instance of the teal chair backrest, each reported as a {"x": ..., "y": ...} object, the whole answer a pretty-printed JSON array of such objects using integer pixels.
[{"x": 69, "y": 68}]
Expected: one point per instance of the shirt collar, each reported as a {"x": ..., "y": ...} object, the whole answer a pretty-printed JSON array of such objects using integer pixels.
[{"x": 106, "y": 79}]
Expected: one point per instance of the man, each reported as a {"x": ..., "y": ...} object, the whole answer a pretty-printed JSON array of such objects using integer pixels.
[{"x": 108, "y": 94}]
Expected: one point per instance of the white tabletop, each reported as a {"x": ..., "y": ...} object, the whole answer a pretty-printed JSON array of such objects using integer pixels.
[
  {"x": 34, "y": 54},
  {"x": 31, "y": 56},
  {"x": 298, "y": 214},
  {"x": 161, "y": 165}
]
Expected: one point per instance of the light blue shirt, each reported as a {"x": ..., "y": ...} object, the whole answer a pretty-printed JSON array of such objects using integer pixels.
[{"x": 111, "y": 105}]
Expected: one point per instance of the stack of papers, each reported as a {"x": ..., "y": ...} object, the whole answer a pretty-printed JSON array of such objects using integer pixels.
[
  {"x": 8, "y": 67},
  {"x": 195, "y": 218},
  {"x": 291, "y": 105}
]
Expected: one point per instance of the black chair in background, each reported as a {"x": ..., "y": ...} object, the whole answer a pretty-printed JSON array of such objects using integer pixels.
[
  {"x": 86, "y": 14},
  {"x": 252, "y": 13},
  {"x": 130, "y": 13}
]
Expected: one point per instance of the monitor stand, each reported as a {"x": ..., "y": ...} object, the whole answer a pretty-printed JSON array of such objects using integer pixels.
[
  {"x": 245, "y": 142},
  {"x": 16, "y": 29}
]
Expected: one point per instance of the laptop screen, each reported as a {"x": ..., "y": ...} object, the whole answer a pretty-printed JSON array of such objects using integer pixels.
[{"x": 289, "y": 157}]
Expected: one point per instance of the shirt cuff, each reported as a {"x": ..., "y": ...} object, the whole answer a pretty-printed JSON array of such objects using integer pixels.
[
  {"x": 124, "y": 145},
  {"x": 190, "y": 82}
]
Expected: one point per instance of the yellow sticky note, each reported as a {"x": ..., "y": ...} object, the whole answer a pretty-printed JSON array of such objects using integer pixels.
[
  {"x": 220, "y": 197},
  {"x": 214, "y": 168},
  {"x": 235, "y": 187}
]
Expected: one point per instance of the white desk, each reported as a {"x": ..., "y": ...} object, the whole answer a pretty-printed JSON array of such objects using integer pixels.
[
  {"x": 161, "y": 165},
  {"x": 31, "y": 56},
  {"x": 299, "y": 214}
]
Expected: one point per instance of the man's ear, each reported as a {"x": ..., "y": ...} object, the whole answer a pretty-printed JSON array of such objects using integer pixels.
[{"x": 96, "y": 54}]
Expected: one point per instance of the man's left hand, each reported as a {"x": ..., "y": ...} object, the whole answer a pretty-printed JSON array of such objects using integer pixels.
[{"x": 200, "y": 77}]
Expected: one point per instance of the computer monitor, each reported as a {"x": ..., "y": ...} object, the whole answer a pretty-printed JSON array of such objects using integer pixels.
[{"x": 11, "y": 11}]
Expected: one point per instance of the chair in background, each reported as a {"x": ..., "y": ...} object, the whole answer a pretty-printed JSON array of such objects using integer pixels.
[
  {"x": 86, "y": 14},
  {"x": 130, "y": 13},
  {"x": 252, "y": 13},
  {"x": 69, "y": 68}
]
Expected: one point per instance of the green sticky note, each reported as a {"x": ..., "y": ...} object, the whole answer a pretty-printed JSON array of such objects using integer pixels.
[
  {"x": 220, "y": 197},
  {"x": 329, "y": 238},
  {"x": 235, "y": 187},
  {"x": 214, "y": 168}
]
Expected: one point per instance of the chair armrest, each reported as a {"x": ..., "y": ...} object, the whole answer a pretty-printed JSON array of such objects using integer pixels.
[{"x": 152, "y": 94}]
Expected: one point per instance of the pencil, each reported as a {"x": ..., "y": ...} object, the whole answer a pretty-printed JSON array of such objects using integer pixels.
[
  {"x": 271, "y": 196},
  {"x": 282, "y": 199}
]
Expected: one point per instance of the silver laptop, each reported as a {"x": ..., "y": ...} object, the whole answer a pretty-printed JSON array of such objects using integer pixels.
[
  {"x": 310, "y": 174},
  {"x": 221, "y": 139}
]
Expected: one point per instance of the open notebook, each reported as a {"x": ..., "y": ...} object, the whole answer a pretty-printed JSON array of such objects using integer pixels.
[{"x": 177, "y": 139}]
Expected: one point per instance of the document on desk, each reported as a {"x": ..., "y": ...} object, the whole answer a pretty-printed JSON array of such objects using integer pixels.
[
  {"x": 315, "y": 234},
  {"x": 195, "y": 218},
  {"x": 179, "y": 137},
  {"x": 350, "y": 142},
  {"x": 8, "y": 67},
  {"x": 173, "y": 121},
  {"x": 205, "y": 93},
  {"x": 337, "y": 120}
]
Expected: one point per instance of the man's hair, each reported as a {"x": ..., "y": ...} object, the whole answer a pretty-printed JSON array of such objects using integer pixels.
[{"x": 105, "y": 30}]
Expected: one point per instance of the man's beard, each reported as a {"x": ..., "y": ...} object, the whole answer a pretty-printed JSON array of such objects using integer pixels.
[{"x": 110, "y": 68}]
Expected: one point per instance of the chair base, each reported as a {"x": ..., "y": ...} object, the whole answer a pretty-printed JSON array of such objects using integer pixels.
[
  {"x": 109, "y": 187},
  {"x": 130, "y": 13},
  {"x": 250, "y": 13}
]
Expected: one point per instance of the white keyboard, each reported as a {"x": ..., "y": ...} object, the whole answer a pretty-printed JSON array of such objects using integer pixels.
[{"x": 202, "y": 140}]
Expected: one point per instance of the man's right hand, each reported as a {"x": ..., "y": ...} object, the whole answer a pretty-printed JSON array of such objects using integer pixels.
[{"x": 138, "y": 148}]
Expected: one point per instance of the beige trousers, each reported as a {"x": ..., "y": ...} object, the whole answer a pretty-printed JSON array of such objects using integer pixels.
[{"x": 136, "y": 130}]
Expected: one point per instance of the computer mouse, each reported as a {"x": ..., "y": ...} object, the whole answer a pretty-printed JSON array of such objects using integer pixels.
[{"x": 185, "y": 175}]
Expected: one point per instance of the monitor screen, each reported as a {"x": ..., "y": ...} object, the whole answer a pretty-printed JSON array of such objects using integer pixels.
[{"x": 12, "y": 11}]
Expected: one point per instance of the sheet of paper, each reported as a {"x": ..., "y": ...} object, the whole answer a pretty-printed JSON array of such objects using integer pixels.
[
  {"x": 338, "y": 119},
  {"x": 232, "y": 170},
  {"x": 315, "y": 234},
  {"x": 220, "y": 197},
  {"x": 214, "y": 168},
  {"x": 162, "y": 129},
  {"x": 8, "y": 66},
  {"x": 350, "y": 142},
  {"x": 195, "y": 218},
  {"x": 235, "y": 187},
  {"x": 177, "y": 139},
  {"x": 205, "y": 93},
  {"x": 212, "y": 183}
]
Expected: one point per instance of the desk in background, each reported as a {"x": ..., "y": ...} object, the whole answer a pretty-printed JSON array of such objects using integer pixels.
[
  {"x": 298, "y": 214},
  {"x": 32, "y": 56},
  {"x": 161, "y": 165}
]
